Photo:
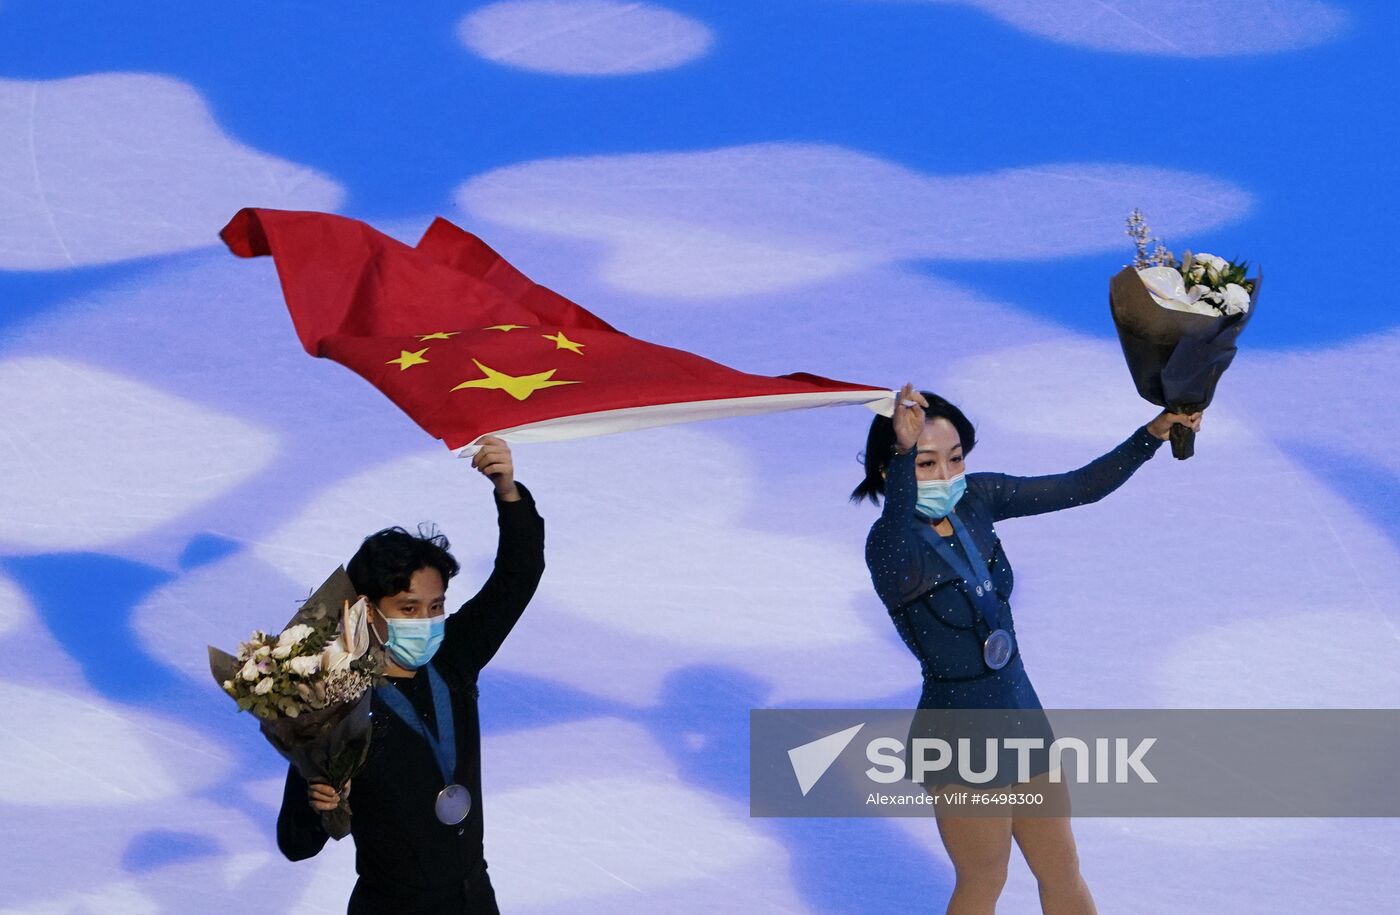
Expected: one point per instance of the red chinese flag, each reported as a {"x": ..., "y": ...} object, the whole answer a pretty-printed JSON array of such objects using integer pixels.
[{"x": 469, "y": 346}]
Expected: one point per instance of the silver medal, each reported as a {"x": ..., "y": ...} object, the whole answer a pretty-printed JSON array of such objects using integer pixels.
[
  {"x": 996, "y": 651},
  {"x": 453, "y": 804}
]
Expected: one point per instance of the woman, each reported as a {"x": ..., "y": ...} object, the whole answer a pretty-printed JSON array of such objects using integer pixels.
[{"x": 960, "y": 628}]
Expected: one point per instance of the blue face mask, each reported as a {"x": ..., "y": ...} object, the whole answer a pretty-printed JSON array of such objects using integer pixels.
[
  {"x": 937, "y": 497},
  {"x": 412, "y": 643}
]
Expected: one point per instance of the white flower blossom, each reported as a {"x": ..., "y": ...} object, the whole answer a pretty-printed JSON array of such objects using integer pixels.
[
  {"x": 264, "y": 686},
  {"x": 294, "y": 635},
  {"x": 1168, "y": 289},
  {"x": 1236, "y": 299},
  {"x": 250, "y": 670},
  {"x": 305, "y": 666},
  {"x": 282, "y": 652},
  {"x": 1216, "y": 264},
  {"x": 334, "y": 657}
]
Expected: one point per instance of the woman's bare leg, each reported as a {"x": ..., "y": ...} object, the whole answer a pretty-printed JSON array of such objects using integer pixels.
[
  {"x": 1048, "y": 846},
  {"x": 980, "y": 848}
]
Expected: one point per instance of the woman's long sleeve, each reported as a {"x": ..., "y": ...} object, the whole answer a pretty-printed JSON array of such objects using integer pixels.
[
  {"x": 1014, "y": 497},
  {"x": 890, "y": 549}
]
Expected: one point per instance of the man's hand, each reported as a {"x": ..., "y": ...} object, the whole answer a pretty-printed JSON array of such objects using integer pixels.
[
  {"x": 493, "y": 460},
  {"x": 324, "y": 798}
]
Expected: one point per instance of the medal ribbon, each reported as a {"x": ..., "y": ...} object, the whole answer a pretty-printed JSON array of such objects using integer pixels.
[
  {"x": 445, "y": 749},
  {"x": 975, "y": 578}
]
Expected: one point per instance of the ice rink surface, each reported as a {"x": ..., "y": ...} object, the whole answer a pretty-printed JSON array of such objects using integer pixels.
[{"x": 879, "y": 192}]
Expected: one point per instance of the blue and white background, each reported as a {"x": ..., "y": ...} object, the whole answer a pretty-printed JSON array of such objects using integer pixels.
[{"x": 876, "y": 191}]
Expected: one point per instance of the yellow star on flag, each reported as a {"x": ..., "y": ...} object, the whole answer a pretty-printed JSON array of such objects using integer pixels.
[
  {"x": 439, "y": 335},
  {"x": 505, "y": 328},
  {"x": 519, "y": 387},
  {"x": 563, "y": 342},
  {"x": 407, "y": 359}
]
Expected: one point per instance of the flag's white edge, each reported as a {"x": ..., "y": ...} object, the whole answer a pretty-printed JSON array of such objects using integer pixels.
[{"x": 606, "y": 422}]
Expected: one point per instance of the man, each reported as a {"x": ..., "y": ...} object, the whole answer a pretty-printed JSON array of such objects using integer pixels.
[{"x": 416, "y": 807}]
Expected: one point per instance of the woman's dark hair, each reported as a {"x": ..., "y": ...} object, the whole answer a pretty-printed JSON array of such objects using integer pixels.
[
  {"x": 384, "y": 564},
  {"x": 879, "y": 444}
]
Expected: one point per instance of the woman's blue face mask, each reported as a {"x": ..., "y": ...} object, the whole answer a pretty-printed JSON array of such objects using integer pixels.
[
  {"x": 939, "y": 455},
  {"x": 937, "y": 497}
]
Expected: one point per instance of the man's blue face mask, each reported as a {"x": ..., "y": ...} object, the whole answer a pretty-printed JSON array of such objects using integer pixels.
[
  {"x": 937, "y": 497},
  {"x": 413, "y": 642}
]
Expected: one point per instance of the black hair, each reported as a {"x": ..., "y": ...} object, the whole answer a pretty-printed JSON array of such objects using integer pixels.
[
  {"x": 879, "y": 444},
  {"x": 385, "y": 562}
]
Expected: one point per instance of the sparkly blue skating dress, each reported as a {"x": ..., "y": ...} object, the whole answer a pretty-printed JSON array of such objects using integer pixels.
[{"x": 925, "y": 596}]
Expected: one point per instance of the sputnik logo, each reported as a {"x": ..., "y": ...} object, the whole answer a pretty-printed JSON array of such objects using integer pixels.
[{"x": 811, "y": 760}]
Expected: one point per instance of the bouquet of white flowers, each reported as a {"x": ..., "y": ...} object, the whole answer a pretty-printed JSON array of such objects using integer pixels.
[
  {"x": 1178, "y": 322},
  {"x": 310, "y": 688}
]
